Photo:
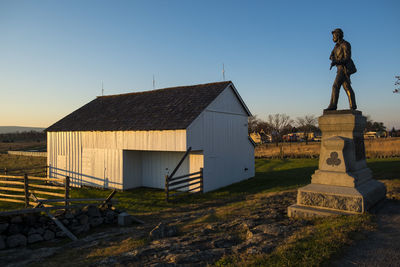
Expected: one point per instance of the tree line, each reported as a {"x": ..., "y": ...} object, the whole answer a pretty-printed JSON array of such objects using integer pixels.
[
  {"x": 29, "y": 136},
  {"x": 279, "y": 125}
]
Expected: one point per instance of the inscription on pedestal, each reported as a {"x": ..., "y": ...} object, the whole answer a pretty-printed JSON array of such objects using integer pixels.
[{"x": 331, "y": 201}]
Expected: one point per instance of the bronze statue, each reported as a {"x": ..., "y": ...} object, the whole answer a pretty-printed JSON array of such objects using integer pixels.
[{"x": 341, "y": 58}]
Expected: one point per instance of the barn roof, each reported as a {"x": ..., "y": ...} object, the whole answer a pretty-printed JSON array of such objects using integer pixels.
[{"x": 162, "y": 109}]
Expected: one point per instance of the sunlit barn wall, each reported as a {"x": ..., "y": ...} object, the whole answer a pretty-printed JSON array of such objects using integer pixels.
[
  {"x": 96, "y": 158},
  {"x": 221, "y": 133}
]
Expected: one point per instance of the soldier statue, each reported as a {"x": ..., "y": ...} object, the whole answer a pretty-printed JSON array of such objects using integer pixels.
[{"x": 341, "y": 58}]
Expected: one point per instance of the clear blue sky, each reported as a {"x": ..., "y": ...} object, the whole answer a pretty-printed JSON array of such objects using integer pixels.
[{"x": 54, "y": 54}]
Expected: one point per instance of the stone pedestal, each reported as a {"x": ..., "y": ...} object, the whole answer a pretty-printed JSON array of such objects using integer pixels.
[{"x": 343, "y": 183}]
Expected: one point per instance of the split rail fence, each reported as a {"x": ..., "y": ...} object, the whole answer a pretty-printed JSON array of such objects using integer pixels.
[
  {"x": 184, "y": 183},
  {"x": 39, "y": 193}
]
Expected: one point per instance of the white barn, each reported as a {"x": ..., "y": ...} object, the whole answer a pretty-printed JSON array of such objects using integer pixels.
[{"x": 132, "y": 140}]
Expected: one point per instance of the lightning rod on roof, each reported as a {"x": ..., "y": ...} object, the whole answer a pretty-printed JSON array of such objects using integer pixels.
[
  {"x": 102, "y": 89},
  {"x": 154, "y": 83},
  {"x": 223, "y": 72}
]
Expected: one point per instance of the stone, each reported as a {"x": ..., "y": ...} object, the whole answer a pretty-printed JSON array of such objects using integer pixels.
[
  {"x": 31, "y": 219},
  {"x": 269, "y": 229},
  {"x": 69, "y": 215},
  {"x": 78, "y": 229},
  {"x": 16, "y": 219},
  {"x": 3, "y": 227},
  {"x": 60, "y": 234},
  {"x": 2, "y": 243},
  {"x": 43, "y": 219},
  {"x": 48, "y": 235},
  {"x": 40, "y": 230},
  {"x": 109, "y": 216},
  {"x": 343, "y": 183},
  {"x": 34, "y": 238},
  {"x": 124, "y": 219},
  {"x": 14, "y": 229},
  {"x": 162, "y": 230},
  {"x": 96, "y": 221},
  {"x": 83, "y": 219},
  {"x": 17, "y": 240},
  {"x": 92, "y": 211},
  {"x": 222, "y": 243}
]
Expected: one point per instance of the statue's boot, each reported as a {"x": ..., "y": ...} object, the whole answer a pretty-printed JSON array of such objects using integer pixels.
[
  {"x": 334, "y": 98},
  {"x": 352, "y": 98}
]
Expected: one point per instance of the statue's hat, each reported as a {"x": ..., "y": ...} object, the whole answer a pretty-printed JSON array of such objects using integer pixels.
[{"x": 338, "y": 30}]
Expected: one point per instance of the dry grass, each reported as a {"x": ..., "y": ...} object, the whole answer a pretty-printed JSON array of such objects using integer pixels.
[
  {"x": 311, "y": 246},
  {"x": 117, "y": 248},
  {"x": 374, "y": 148}
]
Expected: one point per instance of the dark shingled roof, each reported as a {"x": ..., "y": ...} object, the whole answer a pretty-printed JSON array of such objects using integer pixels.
[{"x": 162, "y": 109}]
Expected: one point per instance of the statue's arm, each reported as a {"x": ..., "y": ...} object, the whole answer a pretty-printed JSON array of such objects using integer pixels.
[{"x": 346, "y": 54}]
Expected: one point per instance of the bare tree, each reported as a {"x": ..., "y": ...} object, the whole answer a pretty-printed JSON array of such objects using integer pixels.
[
  {"x": 307, "y": 124},
  {"x": 397, "y": 83},
  {"x": 279, "y": 124},
  {"x": 253, "y": 124}
]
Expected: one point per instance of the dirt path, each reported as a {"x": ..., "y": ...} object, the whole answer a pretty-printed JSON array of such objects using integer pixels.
[{"x": 381, "y": 247}]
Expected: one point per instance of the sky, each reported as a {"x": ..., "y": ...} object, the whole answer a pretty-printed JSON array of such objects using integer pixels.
[{"x": 54, "y": 55}]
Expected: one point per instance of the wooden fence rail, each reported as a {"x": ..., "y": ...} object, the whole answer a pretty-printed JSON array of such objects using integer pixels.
[
  {"x": 27, "y": 185},
  {"x": 181, "y": 182}
]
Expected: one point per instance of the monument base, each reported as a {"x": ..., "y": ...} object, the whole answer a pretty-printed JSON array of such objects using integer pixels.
[
  {"x": 343, "y": 183},
  {"x": 326, "y": 200}
]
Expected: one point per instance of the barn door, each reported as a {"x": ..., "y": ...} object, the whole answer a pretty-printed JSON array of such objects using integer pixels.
[{"x": 93, "y": 167}]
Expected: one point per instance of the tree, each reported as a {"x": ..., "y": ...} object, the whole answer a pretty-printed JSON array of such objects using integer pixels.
[
  {"x": 374, "y": 126},
  {"x": 307, "y": 124},
  {"x": 397, "y": 90},
  {"x": 279, "y": 125},
  {"x": 253, "y": 124},
  {"x": 393, "y": 132}
]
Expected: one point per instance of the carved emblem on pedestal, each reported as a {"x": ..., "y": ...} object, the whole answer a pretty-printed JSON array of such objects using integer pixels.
[{"x": 334, "y": 159}]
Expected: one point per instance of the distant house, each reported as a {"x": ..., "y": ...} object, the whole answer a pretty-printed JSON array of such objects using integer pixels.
[{"x": 132, "y": 140}]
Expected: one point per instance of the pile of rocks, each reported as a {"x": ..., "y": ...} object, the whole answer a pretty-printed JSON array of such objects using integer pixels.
[{"x": 21, "y": 230}]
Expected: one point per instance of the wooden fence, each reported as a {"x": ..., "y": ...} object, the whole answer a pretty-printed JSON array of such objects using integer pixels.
[
  {"x": 183, "y": 183},
  {"x": 28, "y": 189}
]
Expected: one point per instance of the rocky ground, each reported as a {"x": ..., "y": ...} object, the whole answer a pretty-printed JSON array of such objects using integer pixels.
[
  {"x": 197, "y": 235},
  {"x": 201, "y": 237},
  {"x": 190, "y": 236}
]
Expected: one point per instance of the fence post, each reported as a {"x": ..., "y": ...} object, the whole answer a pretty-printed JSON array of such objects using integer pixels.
[
  {"x": 201, "y": 180},
  {"x": 5, "y": 171},
  {"x": 166, "y": 188},
  {"x": 26, "y": 190},
  {"x": 66, "y": 191}
]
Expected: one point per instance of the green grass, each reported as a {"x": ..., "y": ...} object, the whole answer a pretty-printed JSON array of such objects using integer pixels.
[{"x": 272, "y": 175}]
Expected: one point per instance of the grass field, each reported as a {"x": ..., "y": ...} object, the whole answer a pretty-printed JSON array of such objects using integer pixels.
[
  {"x": 272, "y": 175},
  {"x": 314, "y": 245}
]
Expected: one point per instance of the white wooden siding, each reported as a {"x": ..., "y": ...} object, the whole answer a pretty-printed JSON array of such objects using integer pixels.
[
  {"x": 221, "y": 132},
  {"x": 66, "y": 157}
]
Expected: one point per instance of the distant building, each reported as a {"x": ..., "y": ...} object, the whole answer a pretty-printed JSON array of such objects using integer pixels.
[{"x": 132, "y": 140}]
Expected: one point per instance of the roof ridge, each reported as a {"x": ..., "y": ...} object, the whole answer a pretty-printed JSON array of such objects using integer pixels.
[{"x": 167, "y": 88}]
